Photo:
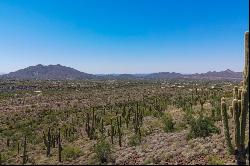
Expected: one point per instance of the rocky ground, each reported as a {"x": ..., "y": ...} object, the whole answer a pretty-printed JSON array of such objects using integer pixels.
[{"x": 174, "y": 148}]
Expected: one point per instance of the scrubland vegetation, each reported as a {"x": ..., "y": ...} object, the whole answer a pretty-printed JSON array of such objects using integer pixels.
[
  {"x": 101, "y": 122},
  {"x": 124, "y": 122}
]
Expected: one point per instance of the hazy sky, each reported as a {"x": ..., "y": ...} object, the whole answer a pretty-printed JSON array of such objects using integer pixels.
[{"x": 124, "y": 36}]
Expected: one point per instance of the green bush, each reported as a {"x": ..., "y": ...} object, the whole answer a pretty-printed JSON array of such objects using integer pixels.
[
  {"x": 103, "y": 150},
  {"x": 70, "y": 152},
  {"x": 134, "y": 140},
  {"x": 213, "y": 160},
  {"x": 157, "y": 113},
  {"x": 216, "y": 114},
  {"x": 188, "y": 117},
  {"x": 168, "y": 122},
  {"x": 202, "y": 127},
  {"x": 3, "y": 158},
  {"x": 146, "y": 131},
  {"x": 181, "y": 126}
]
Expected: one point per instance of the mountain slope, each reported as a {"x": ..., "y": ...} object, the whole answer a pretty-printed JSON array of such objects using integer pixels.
[{"x": 53, "y": 72}]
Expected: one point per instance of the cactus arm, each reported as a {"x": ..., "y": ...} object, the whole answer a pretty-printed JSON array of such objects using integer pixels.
[
  {"x": 226, "y": 128},
  {"x": 237, "y": 123},
  {"x": 243, "y": 117}
]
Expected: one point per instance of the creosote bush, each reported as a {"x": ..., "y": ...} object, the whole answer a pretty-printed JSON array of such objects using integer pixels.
[
  {"x": 70, "y": 152},
  {"x": 188, "y": 117},
  {"x": 214, "y": 160},
  {"x": 168, "y": 122},
  {"x": 134, "y": 140},
  {"x": 103, "y": 150},
  {"x": 202, "y": 127}
]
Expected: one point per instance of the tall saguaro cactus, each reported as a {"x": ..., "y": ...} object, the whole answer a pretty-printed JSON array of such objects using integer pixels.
[
  {"x": 226, "y": 128},
  {"x": 246, "y": 67},
  {"x": 112, "y": 131},
  {"x": 240, "y": 108},
  {"x": 59, "y": 146},
  {"x": 25, "y": 156},
  {"x": 47, "y": 142}
]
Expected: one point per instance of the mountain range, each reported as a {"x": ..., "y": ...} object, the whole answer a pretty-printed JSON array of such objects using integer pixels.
[{"x": 59, "y": 72}]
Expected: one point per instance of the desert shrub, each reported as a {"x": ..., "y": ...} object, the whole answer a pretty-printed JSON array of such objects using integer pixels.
[
  {"x": 147, "y": 112},
  {"x": 134, "y": 140},
  {"x": 70, "y": 152},
  {"x": 148, "y": 160},
  {"x": 107, "y": 118},
  {"x": 216, "y": 114},
  {"x": 186, "y": 120},
  {"x": 72, "y": 137},
  {"x": 155, "y": 123},
  {"x": 103, "y": 150},
  {"x": 202, "y": 127},
  {"x": 3, "y": 158},
  {"x": 146, "y": 131},
  {"x": 157, "y": 113},
  {"x": 188, "y": 117},
  {"x": 181, "y": 125},
  {"x": 167, "y": 120},
  {"x": 213, "y": 160},
  {"x": 7, "y": 133}
]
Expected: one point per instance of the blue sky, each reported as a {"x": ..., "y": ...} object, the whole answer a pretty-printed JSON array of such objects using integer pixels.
[{"x": 124, "y": 36}]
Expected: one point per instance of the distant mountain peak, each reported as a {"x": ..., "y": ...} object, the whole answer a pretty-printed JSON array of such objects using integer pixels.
[
  {"x": 39, "y": 65},
  {"x": 229, "y": 71}
]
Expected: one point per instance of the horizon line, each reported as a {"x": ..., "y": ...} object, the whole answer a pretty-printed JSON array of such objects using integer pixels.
[{"x": 137, "y": 73}]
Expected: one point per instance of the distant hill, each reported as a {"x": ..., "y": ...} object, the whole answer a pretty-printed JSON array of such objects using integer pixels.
[
  {"x": 52, "y": 72},
  {"x": 59, "y": 72},
  {"x": 227, "y": 74},
  {"x": 164, "y": 75},
  {"x": 222, "y": 75}
]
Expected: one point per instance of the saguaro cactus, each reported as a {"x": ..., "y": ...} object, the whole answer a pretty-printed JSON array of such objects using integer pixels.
[
  {"x": 127, "y": 118},
  {"x": 240, "y": 107},
  {"x": 246, "y": 67},
  {"x": 112, "y": 131},
  {"x": 102, "y": 126},
  {"x": 119, "y": 130},
  {"x": 202, "y": 102},
  {"x": 226, "y": 128},
  {"x": 235, "y": 92},
  {"x": 237, "y": 122},
  {"x": 8, "y": 142},
  {"x": 59, "y": 147},
  {"x": 137, "y": 119},
  {"x": 93, "y": 124},
  {"x": 25, "y": 156},
  {"x": 18, "y": 147},
  {"x": 47, "y": 142},
  {"x": 87, "y": 126}
]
